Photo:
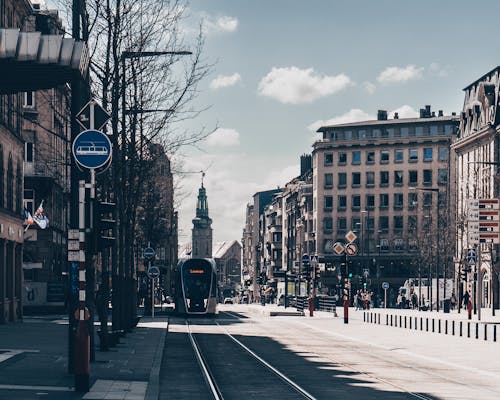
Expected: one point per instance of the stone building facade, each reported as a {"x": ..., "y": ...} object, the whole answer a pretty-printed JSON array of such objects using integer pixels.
[
  {"x": 202, "y": 228},
  {"x": 387, "y": 180}
]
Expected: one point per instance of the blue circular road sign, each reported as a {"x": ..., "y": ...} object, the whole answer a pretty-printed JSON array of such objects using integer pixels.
[
  {"x": 92, "y": 149},
  {"x": 385, "y": 285},
  {"x": 148, "y": 252}
]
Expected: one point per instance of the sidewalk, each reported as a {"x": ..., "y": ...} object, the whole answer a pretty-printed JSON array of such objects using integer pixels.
[{"x": 34, "y": 358}]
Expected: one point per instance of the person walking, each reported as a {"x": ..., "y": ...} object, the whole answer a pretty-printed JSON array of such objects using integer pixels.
[
  {"x": 453, "y": 300},
  {"x": 466, "y": 299}
]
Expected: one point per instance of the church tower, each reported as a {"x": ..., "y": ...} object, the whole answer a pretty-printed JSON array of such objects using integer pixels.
[{"x": 202, "y": 226}]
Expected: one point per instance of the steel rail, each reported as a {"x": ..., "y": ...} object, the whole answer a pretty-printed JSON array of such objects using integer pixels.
[{"x": 214, "y": 389}]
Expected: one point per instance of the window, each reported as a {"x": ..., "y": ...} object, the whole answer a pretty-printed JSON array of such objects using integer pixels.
[
  {"x": 412, "y": 245},
  {"x": 384, "y": 156},
  {"x": 412, "y": 223},
  {"x": 342, "y": 178},
  {"x": 427, "y": 199},
  {"x": 356, "y": 179},
  {"x": 383, "y": 224},
  {"x": 384, "y": 178},
  {"x": 327, "y": 225},
  {"x": 29, "y": 99},
  {"x": 328, "y": 181},
  {"x": 398, "y": 178},
  {"x": 427, "y": 153},
  {"x": 28, "y": 152},
  {"x": 356, "y": 157},
  {"x": 398, "y": 223},
  {"x": 341, "y": 202},
  {"x": 426, "y": 131},
  {"x": 413, "y": 178},
  {"x": 428, "y": 177},
  {"x": 362, "y": 134},
  {"x": 370, "y": 201},
  {"x": 443, "y": 153},
  {"x": 342, "y": 158},
  {"x": 384, "y": 200},
  {"x": 442, "y": 176},
  {"x": 384, "y": 245},
  {"x": 398, "y": 201},
  {"x": 341, "y": 224},
  {"x": 411, "y": 131},
  {"x": 434, "y": 130},
  {"x": 398, "y": 156},
  {"x": 356, "y": 224},
  {"x": 328, "y": 159},
  {"x": 328, "y": 203},
  {"x": 376, "y": 133},
  {"x": 412, "y": 200},
  {"x": 29, "y": 200},
  {"x": 404, "y": 131},
  {"x": 370, "y": 179},
  {"x": 419, "y": 131},
  {"x": 356, "y": 202},
  {"x": 398, "y": 244},
  {"x": 413, "y": 155},
  {"x": 370, "y": 224},
  {"x": 370, "y": 157}
]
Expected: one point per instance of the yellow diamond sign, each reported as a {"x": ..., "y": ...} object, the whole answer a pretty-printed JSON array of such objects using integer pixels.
[{"x": 350, "y": 236}]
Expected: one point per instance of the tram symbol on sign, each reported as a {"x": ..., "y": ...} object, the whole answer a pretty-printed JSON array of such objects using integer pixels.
[{"x": 351, "y": 249}]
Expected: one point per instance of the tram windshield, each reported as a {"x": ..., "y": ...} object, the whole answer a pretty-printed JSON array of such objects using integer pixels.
[{"x": 197, "y": 279}]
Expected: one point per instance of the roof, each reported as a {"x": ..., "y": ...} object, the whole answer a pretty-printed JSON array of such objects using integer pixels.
[
  {"x": 482, "y": 77},
  {"x": 398, "y": 121},
  {"x": 221, "y": 248}
]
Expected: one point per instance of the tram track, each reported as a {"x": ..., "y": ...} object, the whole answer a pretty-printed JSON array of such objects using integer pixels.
[{"x": 214, "y": 371}]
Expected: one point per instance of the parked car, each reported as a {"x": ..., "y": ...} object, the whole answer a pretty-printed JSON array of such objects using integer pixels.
[{"x": 228, "y": 300}]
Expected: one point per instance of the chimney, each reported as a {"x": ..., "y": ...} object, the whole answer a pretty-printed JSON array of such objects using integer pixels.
[
  {"x": 422, "y": 113},
  {"x": 382, "y": 115},
  {"x": 440, "y": 113},
  {"x": 428, "y": 111},
  {"x": 396, "y": 116},
  {"x": 433, "y": 114},
  {"x": 453, "y": 114},
  {"x": 305, "y": 164}
]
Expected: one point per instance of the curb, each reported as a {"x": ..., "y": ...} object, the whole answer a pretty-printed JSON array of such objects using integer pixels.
[{"x": 153, "y": 390}]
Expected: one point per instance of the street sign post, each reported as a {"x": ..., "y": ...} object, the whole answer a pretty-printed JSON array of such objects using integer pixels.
[
  {"x": 91, "y": 149},
  {"x": 153, "y": 273},
  {"x": 92, "y": 110},
  {"x": 148, "y": 253},
  {"x": 385, "y": 286}
]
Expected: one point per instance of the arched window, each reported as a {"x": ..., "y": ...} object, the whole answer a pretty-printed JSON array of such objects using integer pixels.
[
  {"x": 2, "y": 178},
  {"x": 10, "y": 183},
  {"x": 19, "y": 188}
]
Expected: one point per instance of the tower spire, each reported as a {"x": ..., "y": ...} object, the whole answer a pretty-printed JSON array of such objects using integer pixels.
[{"x": 202, "y": 225}]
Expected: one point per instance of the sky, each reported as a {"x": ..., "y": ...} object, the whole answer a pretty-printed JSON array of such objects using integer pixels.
[{"x": 283, "y": 68}]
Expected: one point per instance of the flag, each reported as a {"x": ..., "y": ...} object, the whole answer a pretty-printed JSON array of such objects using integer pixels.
[
  {"x": 28, "y": 219},
  {"x": 40, "y": 218}
]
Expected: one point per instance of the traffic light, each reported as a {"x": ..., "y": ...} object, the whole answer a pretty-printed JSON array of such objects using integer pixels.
[
  {"x": 463, "y": 274},
  {"x": 343, "y": 265},
  {"x": 103, "y": 224}
]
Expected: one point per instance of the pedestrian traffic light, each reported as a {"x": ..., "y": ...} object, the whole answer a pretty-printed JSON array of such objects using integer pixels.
[{"x": 103, "y": 225}]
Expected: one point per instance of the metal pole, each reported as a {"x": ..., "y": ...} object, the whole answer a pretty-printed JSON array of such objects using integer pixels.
[
  {"x": 153, "y": 297},
  {"x": 437, "y": 253}
]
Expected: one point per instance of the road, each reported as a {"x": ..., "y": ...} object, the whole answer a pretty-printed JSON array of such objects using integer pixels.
[{"x": 255, "y": 356}]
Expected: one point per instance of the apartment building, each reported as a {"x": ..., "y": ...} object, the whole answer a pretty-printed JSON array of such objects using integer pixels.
[
  {"x": 477, "y": 168},
  {"x": 388, "y": 181}
]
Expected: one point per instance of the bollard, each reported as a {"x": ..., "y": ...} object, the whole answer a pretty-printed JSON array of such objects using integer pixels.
[
  {"x": 416, "y": 323},
  {"x": 387, "y": 319},
  {"x": 427, "y": 324},
  {"x": 468, "y": 329},
  {"x": 364, "y": 316},
  {"x": 391, "y": 319},
  {"x": 379, "y": 318},
  {"x": 432, "y": 324},
  {"x": 477, "y": 330},
  {"x": 460, "y": 328},
  {"x": 311, "y": 306},
  {"x": 400, "y": 318},
  {"x": 469, "y": 309},
  {"x": 494, "y": 333},
  {"x": 446, "y": 327},
  {"x": 410, "y": 322},
  {"x": 421, "y": 324},
  {"x": 485, "y": 332},
  {"x": 453, "y": 328},
  {"x": 346, "y": 311},
  {"x": 439, "y": 326}
]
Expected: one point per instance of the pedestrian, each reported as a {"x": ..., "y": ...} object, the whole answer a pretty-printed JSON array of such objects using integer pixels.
[
  {"x": 414, "y": 300},
  {"x": 466, "y": 299},
  {"x": 453, "y": 300},
  {"x": 359, "y": 300}
]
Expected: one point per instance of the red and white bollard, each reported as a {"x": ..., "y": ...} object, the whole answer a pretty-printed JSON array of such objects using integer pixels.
[
  {"x": 311, "y": 306},
  {"x": 346, "y": 311}
]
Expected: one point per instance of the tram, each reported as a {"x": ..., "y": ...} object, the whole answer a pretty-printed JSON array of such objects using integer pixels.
[{"x": 196, "y": 286}]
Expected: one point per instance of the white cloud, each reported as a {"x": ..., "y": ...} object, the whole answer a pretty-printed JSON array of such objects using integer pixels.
[
  {"x": 222, "y": 81},
  {"x": 293, "y": 85},
  {"x": 404, "y": 111},
  {"x": 354, "y": 115},
  {"x": 369, "y": 87},
  {"x": 223, "y": 137},
  {"x": 219, "y": 24},
  {"x": 398, "y": 74},
  {"x": 438, "y": 70}
]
